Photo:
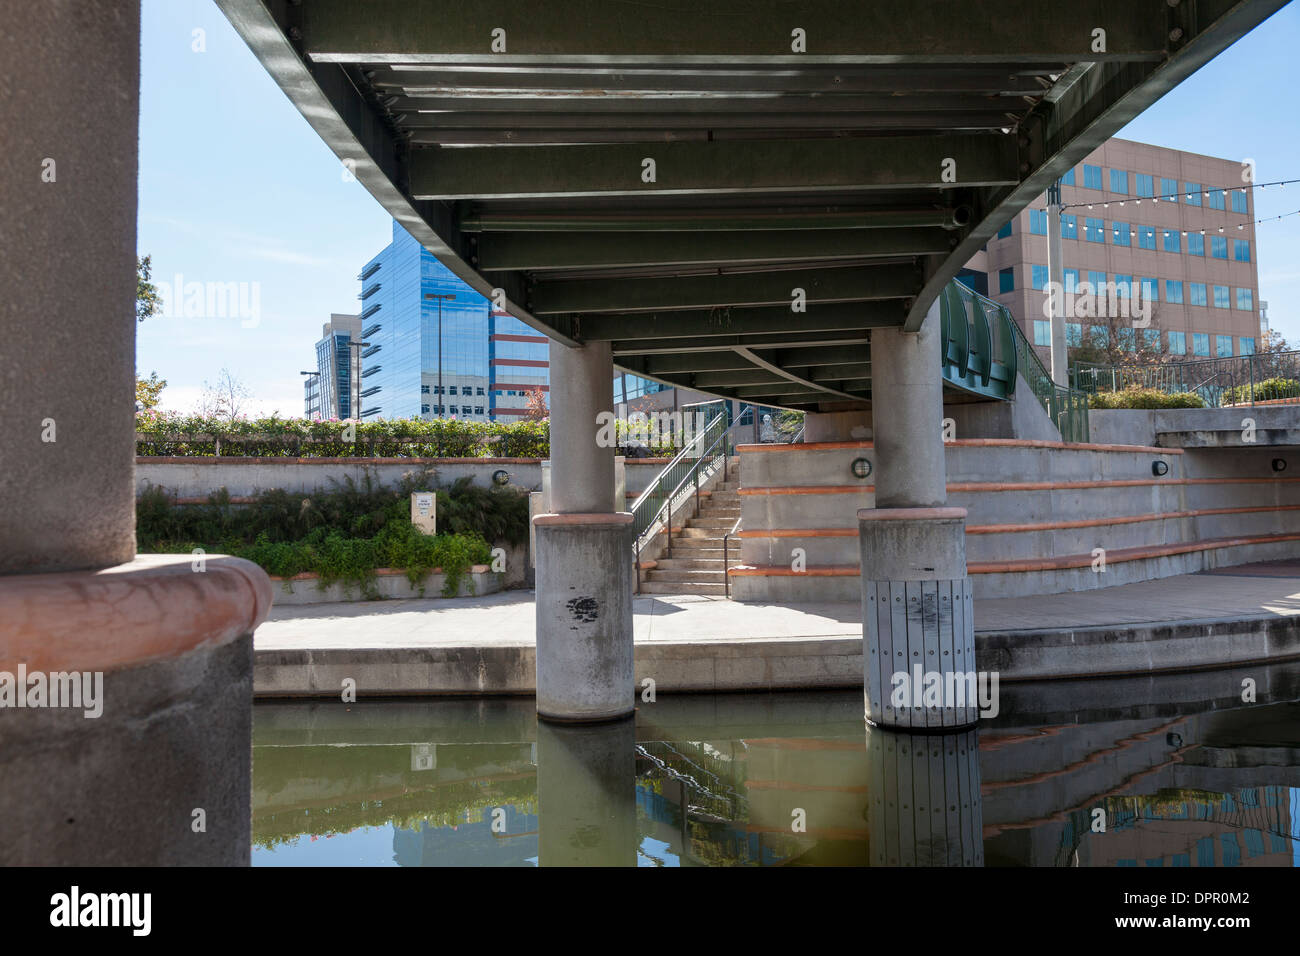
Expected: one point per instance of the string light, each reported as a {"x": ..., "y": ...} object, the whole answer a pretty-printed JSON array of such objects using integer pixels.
[{"x": 1280, "y": 183}]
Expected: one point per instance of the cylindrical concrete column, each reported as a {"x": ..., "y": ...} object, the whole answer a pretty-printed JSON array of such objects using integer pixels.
[
  {"x": 67, "y": 268},
  {"x": 918, "y": 626},
  {"x": 586, "y": 794},
  {"x": 582, "y": 470},
  {"x": 584, "y": 551},
  {"x": 907, "y": 416},
  {"x": 924, "y": 807}
]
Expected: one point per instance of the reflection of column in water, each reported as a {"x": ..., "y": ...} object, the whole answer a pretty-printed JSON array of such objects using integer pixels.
[
  {"x": 923, "y": 807},
  {"x": 586, "y": 793}
]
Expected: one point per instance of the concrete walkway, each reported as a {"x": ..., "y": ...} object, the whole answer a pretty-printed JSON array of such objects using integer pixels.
[{"x": 485, "y": 645}]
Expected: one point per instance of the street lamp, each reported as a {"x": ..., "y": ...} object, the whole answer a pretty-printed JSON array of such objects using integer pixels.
[
  {"x": 354, "y": 373},
  {"x": 439, "y": 297},
  {"x": 317, "y": 374}
]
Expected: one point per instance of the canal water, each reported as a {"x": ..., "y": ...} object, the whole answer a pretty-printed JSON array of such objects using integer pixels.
[{"x": 1195, "y": 770}]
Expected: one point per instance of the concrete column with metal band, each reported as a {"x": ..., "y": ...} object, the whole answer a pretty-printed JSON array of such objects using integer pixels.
[
  {"x": 917, "y": 618},
  {"x": 924, "y": 806},
  {"x": 125, "y": 681},
  {"x": 584, "y": 552}
]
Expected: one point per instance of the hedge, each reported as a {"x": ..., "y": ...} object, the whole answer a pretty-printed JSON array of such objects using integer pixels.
[
  {"x": 1270, "y": 389},
  {"x": 1145, "y": 398}
]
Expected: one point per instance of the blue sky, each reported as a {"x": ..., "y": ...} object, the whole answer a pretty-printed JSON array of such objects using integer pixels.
[{"x": 235, "y": 187}]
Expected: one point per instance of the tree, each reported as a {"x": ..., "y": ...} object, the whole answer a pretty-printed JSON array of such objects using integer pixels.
[
  {"x": 227, "y": 399},
  {"x": 535, "y": 409},
  {"x": 147, "y": 389},
  {"x": 147, "y": 300}
]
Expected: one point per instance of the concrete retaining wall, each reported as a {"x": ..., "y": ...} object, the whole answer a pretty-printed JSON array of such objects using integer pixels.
[
  {"x": 389, "y": 584},
  {"x": 1036, "y": 513}
]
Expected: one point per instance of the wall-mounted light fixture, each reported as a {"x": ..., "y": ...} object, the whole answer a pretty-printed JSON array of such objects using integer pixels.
[
  {"x": 500, "y": 477},
  {"x": 861, "y": 468},
  {"x": 1279, "y": 464},
  {"x": 1159, "y": 468}
]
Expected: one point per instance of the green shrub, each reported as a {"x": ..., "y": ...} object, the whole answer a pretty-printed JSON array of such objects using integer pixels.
[
  {"x": 343, "y": 534},
  {"x": 1145, "y": 398},
  {"x": 1270, "y": 389}
]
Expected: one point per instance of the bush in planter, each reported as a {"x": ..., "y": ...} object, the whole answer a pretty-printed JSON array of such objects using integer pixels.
[
  {"x": 1145, "y": 398},
  {"x": 1269, "y": 390}
]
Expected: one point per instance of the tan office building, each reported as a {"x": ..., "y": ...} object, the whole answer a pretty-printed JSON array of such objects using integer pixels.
[{"x": 1177, "y": 226}]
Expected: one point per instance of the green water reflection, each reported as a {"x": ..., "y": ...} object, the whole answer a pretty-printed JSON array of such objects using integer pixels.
[{"x": 1170, "y": 772}]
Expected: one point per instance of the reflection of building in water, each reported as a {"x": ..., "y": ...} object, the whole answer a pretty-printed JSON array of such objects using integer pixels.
[
  {"x": 1259, "y": 826},
  {"x": 472, "y": 843}
]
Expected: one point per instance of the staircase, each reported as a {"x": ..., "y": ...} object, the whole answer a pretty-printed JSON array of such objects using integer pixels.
[{"x": 696, "y": 563}]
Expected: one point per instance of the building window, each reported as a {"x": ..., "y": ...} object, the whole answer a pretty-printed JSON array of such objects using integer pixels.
[
  {"x": 1071, "y": 279},
  {"x": 1068, "y": 178},
  {"x": 1146, "y": 237},
  {"x": 1121, "y": 234},
  {"x": 1123, "y": 284},
  {"x": 1146, "y": 185},
  {"x": 1119, "y": 181},
  {"x": 1218, "y": 247},
  {"x": 1178, "y": 343},
  {"x": 1125, "y": 338},
  {"x": 451, "y": 390},
  {"x": 424, "y": 389},
  {"x": 1241, "y": 250},
  {"x": 1201, "y": 344},
  {"x": 1074, "y": 334},
  {"x": 1169, "y": 189},
  {"x": 1097, "y": 280},
  {"x": 1004, "y": 231},
  {"x": 1038, "y": 222},
  {"x": 1193, "y": 193},
  {"x": 1038, "y": 276},
  {"x": 478, "y": 409},
  {"x": 1247, "y": 345},
  {"x": 1173, "y": 292},
  {"x": 1151, "y": 338},
  {"x": 1006, "y": 282},
  {"x": 1222, "y": 346},
  {"x": 1100, "y": 336},
  {"x": 1245, "y": 300},
  {"x": 478, "y": 390},
  {"x": 1216, "y": 201},
  {"x": 1150, "y": 290},
  {"x": 1096, "y": 230},
  {"x": 1069, "y": 227},
  {"x": 1220, "y": 296},
  {"x": 1240, "y": 203},
  {"x": 1195, "y": 244},
  {"x": 1091, "y": 176},
  {"x": 424, "y": 409},
  {"x": 1042, "y": 332},
  {"x": 1173, "y": 242},
  {"x": 455, "y": 409},
  {"x": 1199, "y": 294}
]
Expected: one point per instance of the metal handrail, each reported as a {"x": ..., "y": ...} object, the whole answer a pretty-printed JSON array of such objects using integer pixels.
[
  {"x": 1219, "y": 381},
  {"x": 726, "y": 566}
]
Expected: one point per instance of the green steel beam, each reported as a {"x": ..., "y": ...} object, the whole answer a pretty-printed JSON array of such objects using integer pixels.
[
  {"x": 722, "y": 343},
  {"x": 714, "y": 220},
  {"x": 598, "y": 250},
  {"x": 856, "y": 284},
  {"x": 753, "y": 167},
  {"x": 772, "y": 366},
  {"x": 728, "y": 380},
  {"x": 892, "y": 33},
  {"x": 690, "y": 325},
  {"x": 681, "y": 364}
]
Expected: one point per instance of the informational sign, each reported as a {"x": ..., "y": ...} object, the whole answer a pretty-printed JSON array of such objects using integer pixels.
[{"x": 424, "y": 511}]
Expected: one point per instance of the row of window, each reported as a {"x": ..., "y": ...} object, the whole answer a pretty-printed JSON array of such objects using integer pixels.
[
  {"x": 1124, "y": 234},
  {"x": 1144, "y": 187},
  {"x": 453, "y": 410},
  {"x": 1200, "y": 292},
  {"x": 451, "y": 390},
  {"x": 1127, "y": 339}
]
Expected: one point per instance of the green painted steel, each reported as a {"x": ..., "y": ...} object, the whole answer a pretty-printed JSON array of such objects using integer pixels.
[{"x": 983, "y": 350}]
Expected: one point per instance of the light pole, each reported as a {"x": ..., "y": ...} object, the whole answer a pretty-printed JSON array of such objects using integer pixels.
[
  {"x": 317, "y": 374},
  {"x": 354, "y": 370},
  {"x": 439, "y": 297}
]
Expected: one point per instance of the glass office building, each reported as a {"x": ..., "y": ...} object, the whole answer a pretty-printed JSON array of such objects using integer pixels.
[
  {"x": 490, "y": 360},
  {"x": 331, "y": 391}
]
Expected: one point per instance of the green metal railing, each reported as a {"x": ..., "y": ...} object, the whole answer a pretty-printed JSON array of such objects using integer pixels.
[
  {"x": 984, "y": 353},
  {"x": 1219, "y": 382}
]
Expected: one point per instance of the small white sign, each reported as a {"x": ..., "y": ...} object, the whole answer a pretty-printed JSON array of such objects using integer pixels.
[{"x": 424, "y": 511}]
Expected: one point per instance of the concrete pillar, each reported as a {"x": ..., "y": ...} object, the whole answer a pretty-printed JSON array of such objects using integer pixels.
[
  {"x": 917, "y": 618},
  {"x": 586, "y": 794},
  {"x": 924, "y": 807},
  {"x": 125, "y": 682},
  {"x": 584, "y": 553},
  {"x": 907, "y": 416}
]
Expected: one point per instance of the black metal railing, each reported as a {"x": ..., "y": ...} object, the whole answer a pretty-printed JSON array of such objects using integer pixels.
[{"x": 1269, "y": 377}]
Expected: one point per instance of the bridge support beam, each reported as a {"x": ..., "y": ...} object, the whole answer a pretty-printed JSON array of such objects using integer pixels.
[
  {"x": 917, "y": 623},
  {"x": 584, "y": 552}
]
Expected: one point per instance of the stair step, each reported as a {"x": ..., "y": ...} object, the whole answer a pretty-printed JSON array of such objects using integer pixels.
[
  {"x": 711, "y": 534},
  {"x": 686, "y": 574},
  {"x": 694, "y": 564},
  {"x": 722, "y": 523},
  {"x": 681, "y": 587}
]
